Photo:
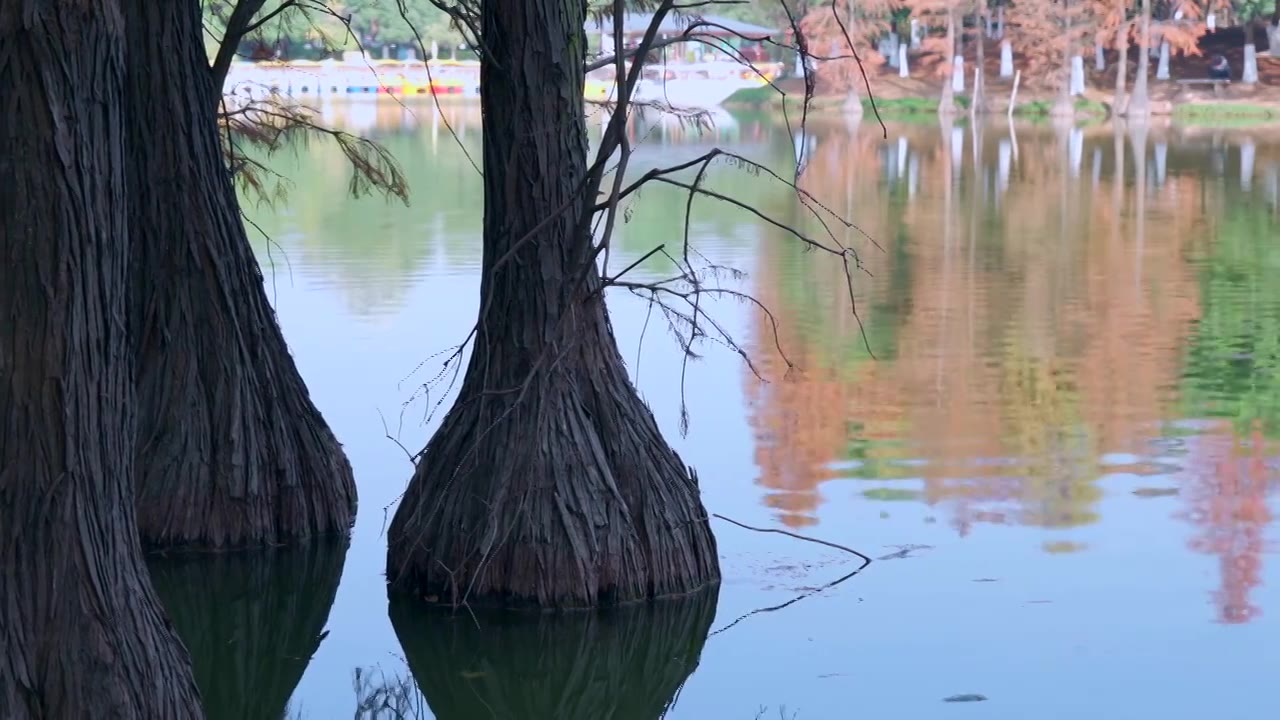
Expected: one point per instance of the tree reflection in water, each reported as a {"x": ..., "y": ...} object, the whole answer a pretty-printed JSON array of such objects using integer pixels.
[
  {"x": 626, "y": 663},
  {"x": 251, "y": 620}
]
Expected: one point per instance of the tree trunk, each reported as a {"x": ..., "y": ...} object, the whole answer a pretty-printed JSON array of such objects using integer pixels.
[
  {"x": 1162, "y": 65},
  {"x": 853, "y": 101},
  {"x": 548, "y": 483},
  {"x": 947, "y": 104},
  {"x": 1249, "y": 73},
  {"x": 1139, "y": 104},
  {"x": 231, "y": 451},
  {"x": 1122, "y": 69},
  {"x": 1062, "y": 105},
  {"x": 979, "y": 103},
  {"x": 82, "y": 633}
]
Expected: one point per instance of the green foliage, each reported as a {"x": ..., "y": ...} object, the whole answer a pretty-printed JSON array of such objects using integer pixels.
[
  {"x": 754, "y": 97},
  {"x": 397, "y": 24},
  {"x": 1247, "y": 10},
  {"x": 380, "y": 22},
  {"x": 769, "y": 13},
  {"x": 324, "y": 26}
]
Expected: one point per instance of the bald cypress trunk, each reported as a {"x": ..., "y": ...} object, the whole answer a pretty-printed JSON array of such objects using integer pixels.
[
  {"x": 1139, "y": 106},
  {"x": 979, "y": 102},
  {"x": 548, "y": 483},
  {"x": 947, "y": 105},
  {"x": 1122, "y": 68},
  {"x": 231, "y": 450},
  {"x": 82, "y": 633}
]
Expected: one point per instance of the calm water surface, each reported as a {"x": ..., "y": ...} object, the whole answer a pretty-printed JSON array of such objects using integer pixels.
[{"x": 1064, "y": 449}]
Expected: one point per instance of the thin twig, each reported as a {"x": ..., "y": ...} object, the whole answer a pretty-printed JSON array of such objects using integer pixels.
[
  {"x": 865, "y": 560},
  {"x": 413, "y": 460}
]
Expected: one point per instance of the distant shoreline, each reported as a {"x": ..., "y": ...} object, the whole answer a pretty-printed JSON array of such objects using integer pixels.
[{"x": 907, "y": 100}]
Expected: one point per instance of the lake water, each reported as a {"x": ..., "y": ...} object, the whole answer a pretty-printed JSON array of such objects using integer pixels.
[{"x": 1063, "y": 452}]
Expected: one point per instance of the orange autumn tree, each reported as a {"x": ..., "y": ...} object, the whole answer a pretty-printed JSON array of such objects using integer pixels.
[
  {"x": 1113, "y": 27},
  {"x": 832, "y": 26},
  {"x": 1181, "y": 26},
  {"x": 1048, "y": 34},
  {"x": 936, "y": 47},
  {"x": 1179, "y": 31}
]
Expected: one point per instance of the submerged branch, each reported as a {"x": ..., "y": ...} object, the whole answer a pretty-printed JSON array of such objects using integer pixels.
[
  {"x": 865, "y": 559},
  {"x": 774, "y": 608}
]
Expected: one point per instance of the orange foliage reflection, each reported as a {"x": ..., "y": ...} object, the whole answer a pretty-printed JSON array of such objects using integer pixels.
[{"x": 1029, "y": 317}]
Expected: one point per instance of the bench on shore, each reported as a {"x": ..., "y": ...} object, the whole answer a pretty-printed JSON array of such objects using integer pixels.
[{"x": 1218, "y": 85}]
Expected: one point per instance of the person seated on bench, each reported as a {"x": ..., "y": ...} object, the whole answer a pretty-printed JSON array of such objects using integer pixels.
[{"x": 1219, "y": 68}]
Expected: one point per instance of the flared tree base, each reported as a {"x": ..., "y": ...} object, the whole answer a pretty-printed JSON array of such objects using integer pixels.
[
  {"x": 231, "y": 451},
  {"x": 569, "y": 499},
  {"x": 255, "y": 467}
]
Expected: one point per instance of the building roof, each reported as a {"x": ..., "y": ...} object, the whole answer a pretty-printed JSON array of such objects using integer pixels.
[{"x": 674, "y": 24}]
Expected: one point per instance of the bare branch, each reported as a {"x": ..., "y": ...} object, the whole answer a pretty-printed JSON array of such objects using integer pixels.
[
  {"x": 237, "y": 27},
  {"x": 865, "y": 81},
  {"x": 865, "y": 560},
  {"x": 287, "y": 4}
]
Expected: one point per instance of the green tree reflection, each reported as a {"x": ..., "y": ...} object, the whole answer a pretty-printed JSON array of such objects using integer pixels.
[{"x": 1233, "y": 361}]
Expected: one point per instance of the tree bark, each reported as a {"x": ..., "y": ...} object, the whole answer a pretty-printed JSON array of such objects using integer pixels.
[
  {"x": 1063, "y": 106},
  {"x": 852, "y": 98},
  {"x": 231, "y": 450},
  {"x": 548, "y": 483},
  {"x": 1139, "y": 102},
  {"x": 1249, "y": 73},
  {"x": 82, "y": 633},
  {"x": 1162, "y": 66},
  {"x": 1122, "y": 68},
  {"x": 979, "y": 104},
  {"x": 947, "y": 104}
]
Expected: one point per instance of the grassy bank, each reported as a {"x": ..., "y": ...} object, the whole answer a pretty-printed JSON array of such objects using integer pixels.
[
  {"x": 909, "y": 109},
  {"x": 1224, "y": 114},
  {"x": 905, "y": 108},
  {"x": 767, "y": 98},
  {"x": 1043, "y": 108}
]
